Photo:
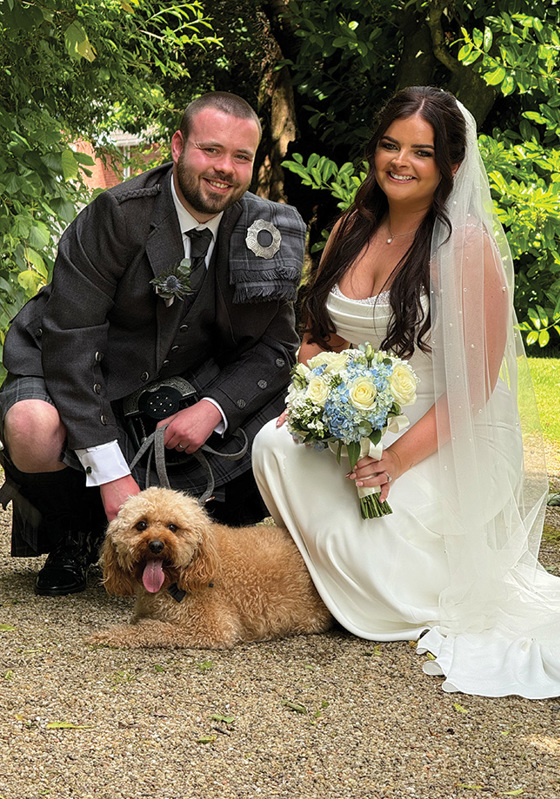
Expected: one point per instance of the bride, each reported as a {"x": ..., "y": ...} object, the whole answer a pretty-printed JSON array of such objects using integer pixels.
[{"x": 419, "y": 266}]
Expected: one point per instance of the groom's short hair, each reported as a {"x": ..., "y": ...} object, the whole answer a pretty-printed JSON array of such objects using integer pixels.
[{"x": 229, "y": 103}]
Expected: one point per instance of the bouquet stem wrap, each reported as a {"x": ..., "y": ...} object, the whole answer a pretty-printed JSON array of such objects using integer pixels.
[{"x": 370, "y": 504}]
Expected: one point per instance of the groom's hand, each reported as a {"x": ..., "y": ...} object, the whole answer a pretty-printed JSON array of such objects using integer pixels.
[{"x": 187, "y": 430}]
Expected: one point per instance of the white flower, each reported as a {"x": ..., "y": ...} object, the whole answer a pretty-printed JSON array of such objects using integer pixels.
[
  {"x": 333, "y": 361},
  {"x": 362, "y": 393},
  {"x": 403, "y": 384},
  {"x": 317, "y": 390}
]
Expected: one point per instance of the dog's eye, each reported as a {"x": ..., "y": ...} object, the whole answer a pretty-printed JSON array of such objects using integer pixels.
[
  {"x": 141, "y": 526},
  {"x": 173, "y": 527}
]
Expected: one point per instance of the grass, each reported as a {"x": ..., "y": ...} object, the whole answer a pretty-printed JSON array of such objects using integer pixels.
[{"x": 546, "y": 379}]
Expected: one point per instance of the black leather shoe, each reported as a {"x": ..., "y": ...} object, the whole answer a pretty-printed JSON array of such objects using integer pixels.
[{"x": 64, "y": 572}]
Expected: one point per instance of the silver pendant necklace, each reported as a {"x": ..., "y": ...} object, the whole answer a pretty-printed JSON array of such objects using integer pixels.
[{"x": 398, "y": 235}]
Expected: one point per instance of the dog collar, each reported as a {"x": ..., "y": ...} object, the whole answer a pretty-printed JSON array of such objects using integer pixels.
[{"x": 177, "y": 594}]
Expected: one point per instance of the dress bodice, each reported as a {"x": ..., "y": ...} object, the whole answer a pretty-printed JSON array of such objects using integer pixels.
[{"x": 359, "y": 321}]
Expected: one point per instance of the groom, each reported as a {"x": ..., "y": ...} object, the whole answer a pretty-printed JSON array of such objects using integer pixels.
[{"x": 122, "y": 313}]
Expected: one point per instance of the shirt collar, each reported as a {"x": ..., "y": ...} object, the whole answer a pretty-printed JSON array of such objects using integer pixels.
[{"x": 187, "y": 220}]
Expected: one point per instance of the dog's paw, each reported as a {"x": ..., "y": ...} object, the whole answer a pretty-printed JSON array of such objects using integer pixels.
[{"x": 109, "y": 638}]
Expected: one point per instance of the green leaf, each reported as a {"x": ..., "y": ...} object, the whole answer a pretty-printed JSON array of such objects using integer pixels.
[
  {"x": 459, "y": 708},
  {"x": 508, "y": 85},
  {"x": 544, "y": 338},
  {"x": 36, "y": 261},
  {"x": 66, "y": 725},
  {"x": 6, "y": 628},
  {"x": 77, "y": 42},
  {"x": 29, "y": 280},
  {"x": 225, "y": 719},
  {"x": 534, "y": 316},
  {"x": 495, "y": 77},
  {"x": 478, "y": 37},
  {"x": 353, "y": 450},
  {"x": 532, "y": 337},
  {"x": 206, "y": 739},
  {"x": 69, "y": 165},
  {"x": 297, "y": 707},
  {"x": 39, "y": 235}
]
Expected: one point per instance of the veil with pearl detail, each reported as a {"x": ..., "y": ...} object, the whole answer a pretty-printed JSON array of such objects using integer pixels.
[{"x": 499, "y": 620}]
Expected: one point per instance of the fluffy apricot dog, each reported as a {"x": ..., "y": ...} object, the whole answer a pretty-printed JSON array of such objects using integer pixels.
[{"x": 201, "y": 584}]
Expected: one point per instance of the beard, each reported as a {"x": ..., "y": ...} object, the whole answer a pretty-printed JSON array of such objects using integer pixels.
[{"x": 200, "y": 197}]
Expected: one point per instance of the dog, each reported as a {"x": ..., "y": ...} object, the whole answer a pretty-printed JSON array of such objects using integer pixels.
[{"x": 202, "y": 584}]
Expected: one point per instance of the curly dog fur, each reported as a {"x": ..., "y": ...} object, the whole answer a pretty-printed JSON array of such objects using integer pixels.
[{"x": 239, "y": 584}]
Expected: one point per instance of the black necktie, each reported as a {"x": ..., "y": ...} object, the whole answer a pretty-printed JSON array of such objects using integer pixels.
[{"x": 200, "y": 241}]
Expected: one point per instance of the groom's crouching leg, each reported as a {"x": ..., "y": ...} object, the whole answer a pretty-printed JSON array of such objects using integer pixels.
[{"x": 54, "y": 512}]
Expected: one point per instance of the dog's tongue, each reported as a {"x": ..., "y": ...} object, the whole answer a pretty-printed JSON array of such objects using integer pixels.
[{"x": 153, "y": 576}]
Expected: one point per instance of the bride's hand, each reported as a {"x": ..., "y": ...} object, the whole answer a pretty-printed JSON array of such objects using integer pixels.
[
  {"x": 369, "y": 472},
  {"x": 281, "y": 419}
]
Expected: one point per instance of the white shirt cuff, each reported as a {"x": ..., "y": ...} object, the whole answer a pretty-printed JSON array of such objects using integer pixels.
[
  {"x": 222, "y": 426},
  {"x": 103, "y": 463}
]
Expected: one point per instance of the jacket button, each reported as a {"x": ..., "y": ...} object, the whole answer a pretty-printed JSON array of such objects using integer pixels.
[
  {"x": 144, "y": 377},
  {"x": 184, "y": 328},
  {"x": 262, "y": 384},
  {"x": 97, "y": 388},
  {"x": 280, "y": 362},
  {"x": 104, "y": 419},
  {"x": 241, "y": 403},
  {"x": 165, "y": 362},
  {"x": 98, "y": 356},
  {"x": 39, "y": 332},
  {"x": 174, "y": 348}
]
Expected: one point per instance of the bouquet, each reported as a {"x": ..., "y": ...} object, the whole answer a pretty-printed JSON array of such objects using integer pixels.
[{"x": 348, "y": 400}]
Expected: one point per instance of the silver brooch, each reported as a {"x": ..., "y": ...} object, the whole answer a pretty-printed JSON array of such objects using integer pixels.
[{"x": 252, "y": 239}]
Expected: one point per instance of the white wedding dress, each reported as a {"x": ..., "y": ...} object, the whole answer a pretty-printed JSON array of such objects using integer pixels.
[{"x": 383, "y": 578}]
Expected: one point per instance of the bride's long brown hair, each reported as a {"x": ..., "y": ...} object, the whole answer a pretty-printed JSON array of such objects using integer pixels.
[{"x": 409, "y": 323}]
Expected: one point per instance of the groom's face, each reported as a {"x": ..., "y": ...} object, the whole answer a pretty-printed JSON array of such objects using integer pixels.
[{"x": 213, "y": 167}]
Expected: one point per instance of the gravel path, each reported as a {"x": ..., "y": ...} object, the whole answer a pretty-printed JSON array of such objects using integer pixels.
[{"x": 318, "y": 716}]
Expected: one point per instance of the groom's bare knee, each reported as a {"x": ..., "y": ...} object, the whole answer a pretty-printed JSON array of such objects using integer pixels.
[{"x": 34, "y": 436}]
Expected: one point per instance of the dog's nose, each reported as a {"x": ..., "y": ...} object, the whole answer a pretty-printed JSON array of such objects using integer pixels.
[{"x": 155, "y": 546}]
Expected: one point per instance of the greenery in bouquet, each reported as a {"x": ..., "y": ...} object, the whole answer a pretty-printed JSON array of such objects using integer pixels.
[{"x": 346, "y": 401}]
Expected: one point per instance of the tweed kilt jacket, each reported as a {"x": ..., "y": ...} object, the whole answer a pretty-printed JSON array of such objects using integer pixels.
[{"x": 99, "y": 332}]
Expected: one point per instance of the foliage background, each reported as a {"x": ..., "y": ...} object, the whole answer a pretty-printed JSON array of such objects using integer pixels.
[{"x": 316, "y": 71}]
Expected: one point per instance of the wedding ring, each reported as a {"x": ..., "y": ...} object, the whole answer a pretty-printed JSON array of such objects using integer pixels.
[
  {"x": 180, "y": 446},
  {"x": 389, "y": 478}
]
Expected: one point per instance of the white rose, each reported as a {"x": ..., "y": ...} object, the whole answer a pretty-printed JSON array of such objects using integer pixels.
[
  {"x": 333, "y": 361},
  {"x": 363, "y": 393},
  {"x": 403, "y": 384},
  {"x": 301, "y": 369},
  {"x": 317, "y": 391}
]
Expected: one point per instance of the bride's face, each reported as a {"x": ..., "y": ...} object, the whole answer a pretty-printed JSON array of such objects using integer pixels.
[{"x": 405, "y": 164}]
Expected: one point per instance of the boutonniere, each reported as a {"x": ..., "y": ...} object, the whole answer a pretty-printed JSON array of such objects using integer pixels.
[
  {"x": 263, "y": 238},
  {"x": 175, "y": 283}
]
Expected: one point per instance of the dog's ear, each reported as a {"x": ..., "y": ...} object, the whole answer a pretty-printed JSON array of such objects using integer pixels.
[
  {"x": 202, "y": 568},
  {"x": 116, "y": 580}
]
